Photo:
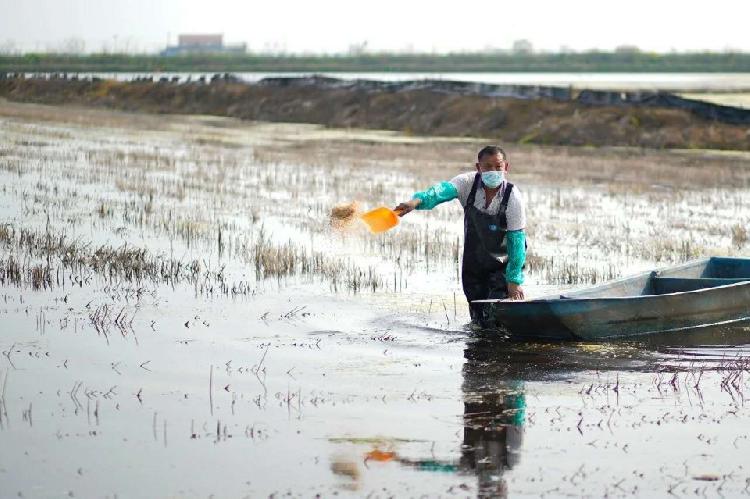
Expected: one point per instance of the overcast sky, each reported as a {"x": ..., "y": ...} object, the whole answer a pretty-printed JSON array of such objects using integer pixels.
[{"x": 334, "y": 25}]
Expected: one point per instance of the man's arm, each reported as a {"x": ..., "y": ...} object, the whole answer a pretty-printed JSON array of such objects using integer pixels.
[
  {"x": 430, "y": 198},
  {"x": 516, "y": 242}
]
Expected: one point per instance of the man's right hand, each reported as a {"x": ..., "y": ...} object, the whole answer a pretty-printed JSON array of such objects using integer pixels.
[
  {"x": 404, "y": 208},
  {"x": 515, "y": 292}
]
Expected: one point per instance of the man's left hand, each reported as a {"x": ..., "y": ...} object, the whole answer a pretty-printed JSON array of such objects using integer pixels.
[{"x": 515, "y": 292}]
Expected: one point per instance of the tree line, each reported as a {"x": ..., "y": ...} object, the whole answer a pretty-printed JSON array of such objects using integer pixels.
[{"x": 444, "y": 63}]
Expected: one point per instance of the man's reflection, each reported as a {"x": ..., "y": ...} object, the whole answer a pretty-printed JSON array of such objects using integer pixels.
[
  {"x": 494, "y": 415},
  {"x": 495, "y": 372}
]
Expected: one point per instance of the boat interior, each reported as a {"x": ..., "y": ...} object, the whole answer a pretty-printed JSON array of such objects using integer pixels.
[{"x": 691, "y": 276}]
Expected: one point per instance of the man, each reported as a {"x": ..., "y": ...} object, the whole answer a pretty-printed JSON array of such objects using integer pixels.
[{"x": 494, "y": 223}]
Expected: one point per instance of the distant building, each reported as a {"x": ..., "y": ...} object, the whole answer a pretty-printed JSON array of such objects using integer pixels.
[
  {"x": 203, "y": 44},
  {"x": 522, "y": 47}
]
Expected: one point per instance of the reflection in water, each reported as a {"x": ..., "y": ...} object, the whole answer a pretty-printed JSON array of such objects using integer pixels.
[
  {"x": 494, "y": 414},
  {"x": 346, "y": 467},
  {"x": 496, "y": 370}
]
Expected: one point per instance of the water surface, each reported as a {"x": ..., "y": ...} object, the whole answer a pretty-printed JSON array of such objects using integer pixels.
[{"x": 299, "y": 361}]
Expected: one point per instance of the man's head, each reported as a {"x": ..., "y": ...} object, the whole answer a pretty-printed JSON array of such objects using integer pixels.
[{"x": 492, "y": 158}]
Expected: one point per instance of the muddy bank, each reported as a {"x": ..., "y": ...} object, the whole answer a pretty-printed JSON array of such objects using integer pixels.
[{"x": 412, "y": 109}]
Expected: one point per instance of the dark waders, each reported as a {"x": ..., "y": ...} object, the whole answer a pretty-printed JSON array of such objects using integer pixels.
[{"x": 485, "y": 251}]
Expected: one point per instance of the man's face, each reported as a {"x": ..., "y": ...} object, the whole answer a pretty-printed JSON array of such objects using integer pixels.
[{"x": 493, "y": 162}]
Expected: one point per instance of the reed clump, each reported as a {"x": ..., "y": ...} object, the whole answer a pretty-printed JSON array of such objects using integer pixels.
[
  {"x": 568, "y": 270},
  {"x": 124, "y": 263},
  {"x": 289, "y": 259},
  {"x": 739, "y": 235}
]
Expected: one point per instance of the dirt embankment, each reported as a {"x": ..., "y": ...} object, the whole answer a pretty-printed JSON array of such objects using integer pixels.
[{"x": 418, "y": 111}]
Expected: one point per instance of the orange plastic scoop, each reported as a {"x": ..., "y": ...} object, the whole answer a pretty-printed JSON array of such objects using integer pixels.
[
  {"x": 380, "y": 219},
  {"x": 379, "y": 455}
]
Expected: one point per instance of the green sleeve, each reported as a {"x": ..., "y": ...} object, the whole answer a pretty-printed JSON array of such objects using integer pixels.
[
  {"x": 438, "y": 193},
  {"x": 516, "y": 256}
]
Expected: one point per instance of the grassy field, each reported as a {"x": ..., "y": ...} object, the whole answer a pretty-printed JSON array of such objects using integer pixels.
[{"x": 477, "y": 62}]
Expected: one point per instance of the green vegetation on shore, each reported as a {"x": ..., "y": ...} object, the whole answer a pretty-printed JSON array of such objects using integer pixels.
[{"x": 479, "y": 62}]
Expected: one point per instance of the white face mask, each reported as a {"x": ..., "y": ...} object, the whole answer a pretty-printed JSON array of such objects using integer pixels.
[{"x": 493, "y": 179}]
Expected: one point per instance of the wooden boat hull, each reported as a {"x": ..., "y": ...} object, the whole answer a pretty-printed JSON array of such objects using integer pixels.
[{"x": 594, "y": 318}]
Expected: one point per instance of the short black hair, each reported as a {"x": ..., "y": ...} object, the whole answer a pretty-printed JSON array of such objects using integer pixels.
[{"x": 491, "y": 151}]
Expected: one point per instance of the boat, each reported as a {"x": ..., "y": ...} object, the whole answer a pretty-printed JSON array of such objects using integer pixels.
[{"x": 699, "y": 293}]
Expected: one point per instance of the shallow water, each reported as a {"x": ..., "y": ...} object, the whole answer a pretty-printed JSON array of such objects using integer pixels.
[
  {"x": 237, "y": 399},
  {"x": 605, "y": 81},
  {"x": 296, "y": 387}
]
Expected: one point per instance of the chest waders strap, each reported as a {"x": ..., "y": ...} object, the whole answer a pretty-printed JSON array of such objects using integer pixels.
[
  {"x": 504, "y": 204},
  {"x": 473, "y": 192},
  {"x": 506, "y": 197}
]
